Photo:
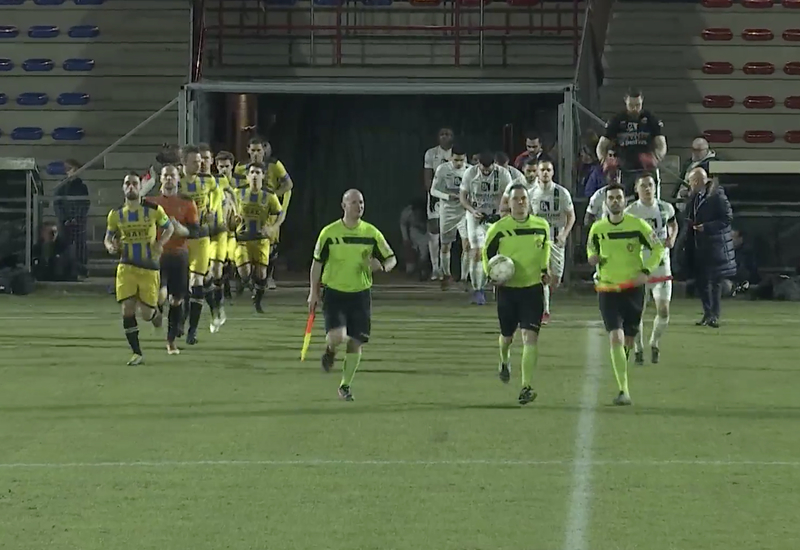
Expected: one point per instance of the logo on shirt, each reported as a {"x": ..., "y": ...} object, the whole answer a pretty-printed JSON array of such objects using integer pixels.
[{"x": 544, "y": 206}]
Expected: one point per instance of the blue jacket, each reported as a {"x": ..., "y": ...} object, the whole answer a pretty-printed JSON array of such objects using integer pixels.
[
  {"x": 712, "y": 249},
  {"x": 594, "y": 180}
]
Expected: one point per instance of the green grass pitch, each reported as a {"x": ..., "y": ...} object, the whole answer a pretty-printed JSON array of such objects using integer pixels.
[{"x": 236, "y": 444}]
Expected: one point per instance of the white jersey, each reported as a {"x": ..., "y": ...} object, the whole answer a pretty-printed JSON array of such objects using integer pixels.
[
  {"x": 597, "y": 203},
  {"x": 436, "y": 156},
  {"x": 447, "y": 182},
  {"x": 552, "y": 203},
  {"x": 658, "y": 215},
  {"x": 485, "y": 191},
  {"x": 516, "y": 175}
]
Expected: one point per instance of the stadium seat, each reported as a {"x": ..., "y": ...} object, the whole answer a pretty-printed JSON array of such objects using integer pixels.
[
  {"x": 328, "y": 3},
  {"x": 72, "y": 99},
  {"x": 3, "y": 99},
  {"x": 757, "y": 4},
  {"x": 759, "y": 136},
  {"x": 475, "y": 2},
  {"x": 8, "y": 31},
  {"x": 717, "y": 67},
  {"x": 56, "y": 168},
  {"x": 791, "y": 4},
  {"x": 76, "y": 64},
  {"x": 27, "y": 133},
  {"x": 522, "y": 2},
  {"x": 758, "y": 67},
  {"x": 377, "y": 3},
  {"x": 791, "y": 35},
  {"x": 6, "y": 65},
  {"x": 717, "y": 34},
  {"x": 38, "y": 65},
  {"x": 718, "y": 136},
  {"x": 792, "y": 102},
  {"x": 792, "y": 68},
  {"x": 792, "y": 136},
  {"x": 43, "y": 31},
  {"x": 84, "y": 31},
  {"x": 717, "y": 3},
  {"x": 425, "y": 2},
  {"x": 759, "y": 102},
  {"x": 281, "y": 2},
  {"x": 89, "y": 2},
  {"x": 32, "y": 99},
  {"x": 757, "y": 35},
  {"x": 48, "y": 2},
  {"x": 11, "y": 2},
  {"x": 68, "y": 133},
  {"x": 718, "y": 102}
]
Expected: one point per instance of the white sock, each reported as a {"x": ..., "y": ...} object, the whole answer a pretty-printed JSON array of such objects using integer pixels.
[
  {"x": 465, "y": 265},
  {"x": 433, "y": 247},
  {"x": 476, "y": 274},
  {"x": 547, "y": 299},
  {"x": 659, "y": 326},
  {"x": 445, "y": 263},
  {"x": 638, "y": 342}
]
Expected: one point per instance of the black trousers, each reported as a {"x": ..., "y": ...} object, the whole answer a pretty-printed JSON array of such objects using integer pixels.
[{"x": 708, "y": 287}]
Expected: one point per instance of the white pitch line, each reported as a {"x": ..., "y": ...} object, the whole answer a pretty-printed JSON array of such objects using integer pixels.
[
  {"x": 377, "y": 462},
  {"x": 580, "y": 503}
]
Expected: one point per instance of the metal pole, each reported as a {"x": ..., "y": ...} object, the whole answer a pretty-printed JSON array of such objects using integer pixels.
[
  {"x": 311, "y": 40},
  {"x": 28, "y": 220},
  {"x": 183, "y": 115},
  {"x": 480, "y": 35},
  {"x": 568, "y": 161},
  {"x": 589, "y": 113},
  {"x": 120, "y": 141}
]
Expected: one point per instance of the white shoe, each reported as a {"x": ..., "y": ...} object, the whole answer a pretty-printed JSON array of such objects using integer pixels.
[
  {"x": 173, "y": 349},
  {"x": 436, "y": 275},
  {"x": 271, "y": 284},
  {"x": 214, "y": 326},
  {"x": 222, "y": 317}
]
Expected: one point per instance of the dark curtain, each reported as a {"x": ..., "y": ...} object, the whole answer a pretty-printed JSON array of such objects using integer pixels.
[{"x": 376, "y": 144}]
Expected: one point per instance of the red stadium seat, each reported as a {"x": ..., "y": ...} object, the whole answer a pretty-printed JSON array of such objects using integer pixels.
[
  {"x": 718, "y": 102},
  {"x": 759, "y": 136},
  {"x": 717, "y": 3},
  {"x": 717, "y": 67},
  {"x": 757, "y": 4},
  {"x": 758, "y": 67},
  {"x": 522, "y": 2},
  {"x": 792, "y": 136},
  {"x": 718, "y": 136},
  {"x": 792, "y": 102},
  {"x": 757, "y": 35},
  {"x": 759, "y": 102},
  {"x": 792, "y": 68},
  {"x": 791, "y": 4},
  {"x": 791, "y": 35},
  {"x": 717, "y": 34}
]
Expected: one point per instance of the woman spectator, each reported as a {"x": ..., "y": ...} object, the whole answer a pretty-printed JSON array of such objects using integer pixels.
[{"x": 710, "y": 244}]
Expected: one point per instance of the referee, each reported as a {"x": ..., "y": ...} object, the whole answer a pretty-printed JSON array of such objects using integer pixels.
[
  {"x": 637, "y": 137},
  {"x": 615, "y": 247},
  {"x": 524, "y": 238},
  {"x": 346, "y": 254}
]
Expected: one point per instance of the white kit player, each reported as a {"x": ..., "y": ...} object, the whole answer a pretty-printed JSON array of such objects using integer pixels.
[
  {"x": 661, "y": 217},
  {"x": 482, "y": 189},
  {"x": 435, "y": 157},
  {"x": 553, "y": 202},
  {"x": 501, "y": 158},
  {"x": 452, "y": 217},
  {"x": 530, "y": 174}
]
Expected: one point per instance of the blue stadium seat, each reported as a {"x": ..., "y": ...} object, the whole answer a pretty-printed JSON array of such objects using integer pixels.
[
  {"x": 377, "y": 2},
  {"x": 11, "y": 2},
  {"x": 27, "y": 133},
  {"x": 281, "y": 2},
  {"x": 43, "y": 31},
  {"x": 56, "y": 168},
  {"x": 38, "y": 65},
  {"x": 3, "y": 99},
  {"x": 89, "y": 2},
  {"x": 9, "y": 31},
  {"x": 32, "y": 99},
  {"x": 73, "y": 98},
  {"x": 84, "y": 31},
  {"x": 328, "y": 2},
  {"x": 68, "y": 133},
  {"x": 76, "y": 64},
  {"x": 6, "y": 65},
  {"x": 48, "y": 2}
]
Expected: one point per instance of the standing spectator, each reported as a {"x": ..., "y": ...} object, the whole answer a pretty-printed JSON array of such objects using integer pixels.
[
  {"x": 533, "y": 150},
  {"x": 640, "y": 143},
  {"x": 710, "y": 245},
  {"x": 701, "y": 158},
  {"x": 53, "y": 258},
  {"x": 597, "y": 176},
  {"x": 72, "y": 213},
  {"x": 414, "y": 229}
]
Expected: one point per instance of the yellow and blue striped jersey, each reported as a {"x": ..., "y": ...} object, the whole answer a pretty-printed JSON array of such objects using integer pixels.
[
  {"x": 256, "y": 210},
  {"x": 199, "y": 188},
  {"x": 137, "y": 230},
  {"x": 275, "y": 175}
]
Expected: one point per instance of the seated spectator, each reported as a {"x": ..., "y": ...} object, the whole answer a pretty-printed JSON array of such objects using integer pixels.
[
  {"x": 414, "y": 229},
  {"x": 746, "y": 263},
  {"x": 53, "y": 257},
  {"x": 71, "y": 206}
]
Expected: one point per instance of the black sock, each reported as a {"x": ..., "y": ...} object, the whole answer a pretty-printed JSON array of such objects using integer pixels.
[
  {"x": 132, "y": 333},
  {"x": 258, "y": 286},
  {"x": 174, "y": 320},
  {"x": 271, "y": 270},
  {"x": 219, "y": 297},
  {"x": 186, "y": 306},
  {"x": 195, "y": 308},
  {"x": 208, "y": 292}
]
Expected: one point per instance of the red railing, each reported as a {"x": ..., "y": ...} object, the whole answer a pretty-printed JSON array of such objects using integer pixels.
[{"x": 560, "y": 19}]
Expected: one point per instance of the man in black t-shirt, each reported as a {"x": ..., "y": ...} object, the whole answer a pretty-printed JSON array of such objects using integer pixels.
[{"x": 636, "y": 135}]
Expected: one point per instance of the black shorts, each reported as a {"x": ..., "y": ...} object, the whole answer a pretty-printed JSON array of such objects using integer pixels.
[
  {"x": 520, "y": 307},
  {"x": 622, "y": 310},
  {"x": 175, "y": 274},
  {"x": 352, "y": 310}
]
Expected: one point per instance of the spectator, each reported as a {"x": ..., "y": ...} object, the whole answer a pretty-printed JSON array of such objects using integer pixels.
[
  {"x": 701, "y": 158},
  {"x": 597, "y": 176},
  {"x": 414, "y": 229},
  {"x": 710, "y": 244},
  {"x": 72, "y": 213},
  {"x": 53, "y": 258},
  {"x": 746, "y": 263},
  {"x": 533, "y": 150}
]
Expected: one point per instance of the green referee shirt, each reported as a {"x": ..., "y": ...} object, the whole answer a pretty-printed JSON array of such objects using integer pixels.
[
  {"x": 620, "y": 245},
  {"x": 346, "y": 252},
  {"x": 526, "y": 242}
]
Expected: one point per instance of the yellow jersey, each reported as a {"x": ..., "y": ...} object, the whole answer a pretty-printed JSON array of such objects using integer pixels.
[
  {"x": 275, "y": 174},
  {"x": 256, "y": 210},
  {"x": 137, "y": 229},
  {"x": 200, "y": 188}
]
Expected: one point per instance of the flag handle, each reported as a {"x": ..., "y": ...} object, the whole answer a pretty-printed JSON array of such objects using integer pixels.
[
  {"x": 630, "y": 284},
  {"x": 307, "y": 335}
]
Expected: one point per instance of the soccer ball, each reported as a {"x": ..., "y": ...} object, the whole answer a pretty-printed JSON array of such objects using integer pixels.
[{"x": 501, "y": 269}]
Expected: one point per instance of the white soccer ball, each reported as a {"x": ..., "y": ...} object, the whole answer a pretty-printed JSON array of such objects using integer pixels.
[{"x": 501, "y": 269}]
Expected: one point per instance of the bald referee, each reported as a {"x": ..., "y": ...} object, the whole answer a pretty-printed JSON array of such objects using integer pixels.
[{"x": 346, "y": 254}]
